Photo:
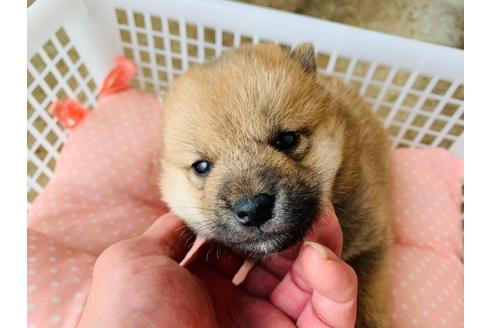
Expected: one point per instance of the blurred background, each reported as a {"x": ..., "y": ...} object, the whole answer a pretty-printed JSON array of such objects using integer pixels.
[
  {"x": 435, "y": 21},
  {"x": 421, "y": 109}
]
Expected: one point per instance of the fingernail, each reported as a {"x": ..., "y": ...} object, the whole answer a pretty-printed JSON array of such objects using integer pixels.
[{"x": 320, "y": 249}]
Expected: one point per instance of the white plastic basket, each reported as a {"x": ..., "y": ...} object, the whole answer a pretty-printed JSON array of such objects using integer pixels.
[{"x": 415, "y": 88}]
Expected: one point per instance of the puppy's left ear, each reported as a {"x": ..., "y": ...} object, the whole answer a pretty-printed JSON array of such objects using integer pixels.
[{"x": 306, "y": 56}]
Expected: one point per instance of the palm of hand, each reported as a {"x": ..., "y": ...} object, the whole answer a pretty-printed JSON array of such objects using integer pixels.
[{"x": 142, "y": 277}]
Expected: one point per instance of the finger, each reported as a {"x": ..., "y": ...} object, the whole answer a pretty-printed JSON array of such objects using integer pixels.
[
  {"x": 340, "y": 316},
  {"x": 320, "y": 262},
  {"x": 290, "y": 296},
  {"x": 172, "y": 236},
  {"x": 280, "y": 263},
  {"x": 260, "y": 283},
  {"x": 234, "y": 307},
  {"x": 295, "y": 291},
  {"x": 334, "y": 299},
  {"x": 327, "y": 231},
  {"x": 220, "y": 289}
]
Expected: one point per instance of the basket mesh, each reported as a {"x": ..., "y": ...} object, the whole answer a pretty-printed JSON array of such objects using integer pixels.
[
  {"x": 55, "y": 71},
  {"x": 417, "y": 109}
]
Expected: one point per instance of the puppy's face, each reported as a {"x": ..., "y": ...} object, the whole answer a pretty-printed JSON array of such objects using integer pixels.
[{"x": 249, "y": 151}]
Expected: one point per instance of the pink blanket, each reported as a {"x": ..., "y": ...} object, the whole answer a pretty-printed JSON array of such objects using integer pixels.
[{"x": 104, "y": 191}]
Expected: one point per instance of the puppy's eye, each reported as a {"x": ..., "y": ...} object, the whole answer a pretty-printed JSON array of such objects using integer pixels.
[
  {"x": 201, "y": 168},
  {"x": 286, "y": 141}
]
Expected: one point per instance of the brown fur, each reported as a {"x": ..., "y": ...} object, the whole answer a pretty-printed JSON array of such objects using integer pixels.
[
  {"x": 227, "y": 112},
  {"x": 363, "y": 202}
]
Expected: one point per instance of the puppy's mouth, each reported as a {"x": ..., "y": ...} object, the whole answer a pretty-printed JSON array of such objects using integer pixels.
[
  {"x": 267, "y": 243},
  {"x": 264, "y": 245},
  {"x": 292, "y": 219},
  {"x": 270, "y": 219},
  {"x": 263, "y": 237}
]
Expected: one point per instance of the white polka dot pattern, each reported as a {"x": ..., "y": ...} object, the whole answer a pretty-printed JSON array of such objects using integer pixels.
[
  {"x": 105, "y": 190},
  {"x": 52, "y": 285},
  {"x": 427, "y": 271},
  {"x": 105, "y": 184}
]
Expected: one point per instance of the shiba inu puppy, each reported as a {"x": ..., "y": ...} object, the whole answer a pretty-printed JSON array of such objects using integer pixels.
[{"x": 256, "y": 143}]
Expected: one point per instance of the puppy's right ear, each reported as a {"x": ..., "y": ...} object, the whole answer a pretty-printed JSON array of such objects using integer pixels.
[{"x": 306, "y": 56}]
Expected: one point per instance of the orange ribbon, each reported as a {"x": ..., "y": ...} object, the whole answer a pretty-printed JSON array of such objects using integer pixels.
[
  {"x": 68, "y": 112},
  {"x": 119, "y": 77}
]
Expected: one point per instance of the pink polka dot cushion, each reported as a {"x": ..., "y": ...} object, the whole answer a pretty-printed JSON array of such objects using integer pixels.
[
  {"x": 427, "y": 269},
  {"x": 105, "y": 186},
  {"x": 104, "y": 190}
]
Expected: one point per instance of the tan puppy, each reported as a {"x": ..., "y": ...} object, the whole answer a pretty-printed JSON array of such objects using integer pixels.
[{"x": 255, "y": 144}]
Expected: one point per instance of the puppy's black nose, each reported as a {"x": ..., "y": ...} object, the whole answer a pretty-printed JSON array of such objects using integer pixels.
[{"x": 254, "y": 210}]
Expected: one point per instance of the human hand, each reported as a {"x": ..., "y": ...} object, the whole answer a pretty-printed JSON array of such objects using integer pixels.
[
  {"x": 138, "y": 282},
  {"x": 310, "y": 285}
]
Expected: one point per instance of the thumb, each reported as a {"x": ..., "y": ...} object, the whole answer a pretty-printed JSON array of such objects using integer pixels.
[
  {"x": 334, "y": 286},
  {"x": 172, "y": 236},
  {"x": 327, "y": 231}
]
